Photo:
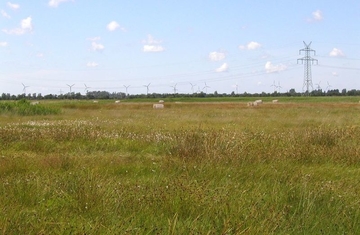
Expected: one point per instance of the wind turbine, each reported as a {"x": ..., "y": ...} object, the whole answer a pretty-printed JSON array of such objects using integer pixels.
[
  {"x": 274, "y": 85},
  {"x": 192, "y": 87},
  {"x": 328, "y": 86},
  {"x": 147, "y": 88},
  {"x": 126, "y": 87},
  {"x": 70, "y": 86},
  {"x": 236, "y": 87},
  {"x": 174, "y": 88},
  {"x": 279, "y": 86},
  {"x": 206, "y": 87},
  {"x": 318, "y": 85},
  {"x": 86, "y": 88},
  {"x": 24, "y": 89}
]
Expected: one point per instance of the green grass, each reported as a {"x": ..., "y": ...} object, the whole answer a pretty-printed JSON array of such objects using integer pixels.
[
  {"x": 191, "y": 168},
  {"x": 25, "y": 108},
  {"x": 297, "y": 99}
]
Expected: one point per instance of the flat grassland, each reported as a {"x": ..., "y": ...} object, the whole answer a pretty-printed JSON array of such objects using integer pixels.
[{"x": 291, "y": 167}]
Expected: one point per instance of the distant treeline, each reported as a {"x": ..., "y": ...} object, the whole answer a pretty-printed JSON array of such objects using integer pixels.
[{"x": 122, "y": 95}]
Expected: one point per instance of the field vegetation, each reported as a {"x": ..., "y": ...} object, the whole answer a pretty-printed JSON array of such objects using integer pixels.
[
  {"x": 191, "y": 168},
  {"x": 25, "y": 108}
]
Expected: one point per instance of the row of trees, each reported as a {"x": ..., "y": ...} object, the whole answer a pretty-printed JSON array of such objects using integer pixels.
[
  {"x": 121, "y": 95},
  {"x": 72, "y": 95}
]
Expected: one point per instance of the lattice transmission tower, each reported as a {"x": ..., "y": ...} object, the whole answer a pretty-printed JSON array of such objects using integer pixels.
[{"x": 307, "y": 60}]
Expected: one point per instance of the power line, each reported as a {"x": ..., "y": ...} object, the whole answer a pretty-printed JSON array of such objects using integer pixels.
[{"x": 338, "y": 67}]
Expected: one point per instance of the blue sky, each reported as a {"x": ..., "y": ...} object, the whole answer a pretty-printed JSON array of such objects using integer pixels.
[{"x": 183, "y": 46}]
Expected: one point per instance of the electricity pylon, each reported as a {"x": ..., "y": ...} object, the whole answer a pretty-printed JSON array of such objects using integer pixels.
[{"x": 307, "y": 60}]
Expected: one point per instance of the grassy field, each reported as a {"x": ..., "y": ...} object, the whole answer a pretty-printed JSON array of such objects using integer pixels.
[{"x": 191, "y": 168}]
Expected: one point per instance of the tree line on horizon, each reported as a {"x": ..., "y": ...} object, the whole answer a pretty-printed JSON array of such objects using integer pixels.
[{"x": 122, "y": 95}]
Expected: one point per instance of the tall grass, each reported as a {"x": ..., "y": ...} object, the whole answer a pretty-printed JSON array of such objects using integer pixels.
[
  {"x": 187, "y": 169},
  {"x": 25, "y": 108}
]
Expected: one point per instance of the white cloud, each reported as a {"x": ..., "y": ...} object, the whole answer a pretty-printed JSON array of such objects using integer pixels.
[
  {"x": 223, "y": 68},
  {"x": 216, "y": 56},
  {"x": 250, "y": 46},
  {"x": 4, "y": 14},
  {"x": 152, "y": 45},
  {"x": 153, "y": 48},
  {"x": 25, "y": 27},
  {"x": 253, "y": 45},
  {"x": 335, "y": 74},
  {"x": 26, "y": 24},
  {"x": 97, "y": 46},
  {"x": 94, "y": 39},
  {"x": 336, "y": 53},
  {"x": 317, "y": 15},
  {"x": 3, "y": 44},
  {"x": 13, "y": 5},
  {"x": 55, "y": 3},
  {"x": 92, "y": 64},
  {"x": 16, "y": 31},
  {"x": 40, "y": 55},
  {"x": 271, "y": 68},
  {"x": 113, "y": 25},
  {"x": 150, "y": 40}
]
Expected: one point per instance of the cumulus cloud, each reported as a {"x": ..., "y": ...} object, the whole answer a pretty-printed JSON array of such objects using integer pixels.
[
  {"x": 253, "y": 45},
  {"x": 55, "y": 3},
  {"x": 336, "y": 53},
  {"x": 271, "y": 68},
  {"x": 25, "y": 27},
  {"x": 152, "y": 45},
  {"x": 26, "y": 24},
  {"x": 317, "y": 15},
  {"x": 13, "y": 6},
  {"x": 153, "y": 48},
  {"x": 3, "y": 44},
  {"x": 250, "y": 46},
  {"x": 4, "y": 14},
  {"x": 97, "y": 46},
  {"x": 94, "y": 39},
  {"x": 216, "y": 56},
  {"x": 113, "y": 25},
  {"x": 92, "y": 64},
  {"x": 223, "y": 68},
  {"x": 150, "y": 40}
]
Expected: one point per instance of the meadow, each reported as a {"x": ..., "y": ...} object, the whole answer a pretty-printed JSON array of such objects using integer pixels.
[{"x": 213, "y": 167}]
